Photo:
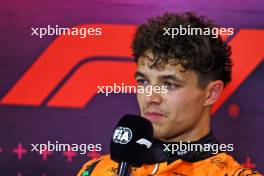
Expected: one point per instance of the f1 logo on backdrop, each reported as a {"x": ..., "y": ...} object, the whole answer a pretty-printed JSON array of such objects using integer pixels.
[{"x": 67, "y": 57}]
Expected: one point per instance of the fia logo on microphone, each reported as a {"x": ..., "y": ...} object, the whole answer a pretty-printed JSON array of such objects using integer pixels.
[{"x": 122, "y": 135}]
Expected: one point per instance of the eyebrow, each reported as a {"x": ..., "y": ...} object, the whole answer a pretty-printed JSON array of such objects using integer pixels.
[
  {"x": 172, "y": 77},
  {"x": 162, "y": 77},
  {"x": 139, "y": 74}
]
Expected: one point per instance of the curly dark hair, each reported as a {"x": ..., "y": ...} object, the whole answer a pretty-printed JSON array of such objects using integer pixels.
[{"x": 207, "y": 55}]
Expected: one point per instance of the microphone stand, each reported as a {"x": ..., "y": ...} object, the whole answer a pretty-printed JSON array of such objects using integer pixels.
[{"x": 124, "y": 169}]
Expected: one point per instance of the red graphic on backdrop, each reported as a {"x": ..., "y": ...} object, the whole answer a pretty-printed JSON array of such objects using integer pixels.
[
  {"x": 45, "y": 154},
  {"x": 69, "y": 155},
  {"x": 68, "y": 51},
  {"x": 93, "y": 154},
  {"x": 248, "y": 163},
  {"x": 20, "y": 151},
  {"x": 233, "y": 110}
]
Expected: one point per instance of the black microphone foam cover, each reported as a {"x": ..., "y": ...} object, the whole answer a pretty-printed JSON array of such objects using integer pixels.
[{"x": 131, "y": 140}]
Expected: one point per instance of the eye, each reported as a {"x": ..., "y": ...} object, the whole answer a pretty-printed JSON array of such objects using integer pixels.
[
  {"x": 141, "y": 81},
  {"x": 171, "y": 86}
]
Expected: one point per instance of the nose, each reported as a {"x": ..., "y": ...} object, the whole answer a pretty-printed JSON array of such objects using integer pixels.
[{"x": 154, "y": 98}]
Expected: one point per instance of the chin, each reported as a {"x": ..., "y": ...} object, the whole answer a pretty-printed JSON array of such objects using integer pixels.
[{"x": 158, "y": 135}]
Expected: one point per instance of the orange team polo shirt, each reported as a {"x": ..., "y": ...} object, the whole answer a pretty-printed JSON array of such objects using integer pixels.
[
  {"x": 219, "y": 165},
  {"x": 162, "y": 163}
]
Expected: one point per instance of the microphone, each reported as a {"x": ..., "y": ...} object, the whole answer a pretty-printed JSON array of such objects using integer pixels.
[{"x": 131, "y": 140}]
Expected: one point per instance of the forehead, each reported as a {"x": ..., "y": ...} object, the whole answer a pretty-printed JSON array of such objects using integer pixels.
[{"x": 171, "y": 68}]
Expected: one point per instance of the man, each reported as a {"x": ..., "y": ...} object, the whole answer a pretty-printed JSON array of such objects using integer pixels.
[{"x": 195, "y": 67}]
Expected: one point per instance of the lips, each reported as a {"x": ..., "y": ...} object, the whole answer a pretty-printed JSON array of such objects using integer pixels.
[{"x": 153, "y": 116}]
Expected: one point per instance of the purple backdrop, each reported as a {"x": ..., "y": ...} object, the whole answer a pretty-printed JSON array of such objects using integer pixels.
[{"x": 94, "y": 122}]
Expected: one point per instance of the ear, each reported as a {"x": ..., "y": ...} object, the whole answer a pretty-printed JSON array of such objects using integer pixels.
[{"x": 213, "y": 92}]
